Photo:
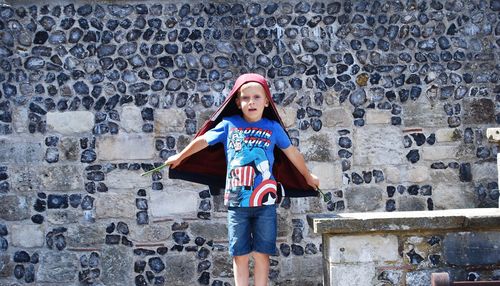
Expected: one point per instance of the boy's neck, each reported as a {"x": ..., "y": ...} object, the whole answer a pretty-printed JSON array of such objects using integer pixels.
[{"x": 251, "y": 120}]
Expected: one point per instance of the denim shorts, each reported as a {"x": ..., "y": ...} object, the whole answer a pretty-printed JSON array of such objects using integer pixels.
[{"x": 252, "y": 229}]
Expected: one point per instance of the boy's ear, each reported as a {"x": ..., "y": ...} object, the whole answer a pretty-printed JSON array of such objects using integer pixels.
[{"x": 237, "y": 100}]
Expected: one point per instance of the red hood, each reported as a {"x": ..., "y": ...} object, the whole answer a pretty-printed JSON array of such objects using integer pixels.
[{"x": 209, "y": 165}]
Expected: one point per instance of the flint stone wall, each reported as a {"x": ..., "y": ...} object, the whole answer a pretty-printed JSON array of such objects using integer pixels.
[{"x": 389, "y": 102}]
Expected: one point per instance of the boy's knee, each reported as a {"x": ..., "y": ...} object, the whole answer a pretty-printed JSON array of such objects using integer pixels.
[
  {"x": 241, "y": 259},
  {"x": 258, "y": 255}
]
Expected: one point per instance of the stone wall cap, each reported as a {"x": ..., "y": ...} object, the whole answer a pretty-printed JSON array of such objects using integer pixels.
[{"x": 350, "y": 223}]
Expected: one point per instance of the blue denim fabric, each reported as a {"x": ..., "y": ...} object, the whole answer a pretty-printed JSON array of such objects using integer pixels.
[{"x": 252, "y": 229}]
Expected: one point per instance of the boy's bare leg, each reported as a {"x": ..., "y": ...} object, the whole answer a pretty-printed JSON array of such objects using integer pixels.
[
  {"x": 261, "y": 269},
  {"x": 241, "y": 270}
]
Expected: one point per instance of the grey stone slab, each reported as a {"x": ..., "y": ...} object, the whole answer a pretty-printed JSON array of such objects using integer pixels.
[
  {"x": 6, "y": 268},
  {"x": 57, "y": 267},
  {"x": 472, "y": 248},
  {"x": 13, "y": 208},
  {"x": 52, "y": 178},
  {"x": 216, "y": 231},
  {"x": 20, "y": 152},
  {"x": 405, "y": 221},
  {"x": 85, "y": 236},
  {"x": 116, "y": 265},
  {"x": 364, "y": 198},
  {"x": 179, "y": 270}
]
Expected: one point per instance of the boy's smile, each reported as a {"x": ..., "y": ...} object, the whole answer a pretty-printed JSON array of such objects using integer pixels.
[{"x": 252, "y": 100}]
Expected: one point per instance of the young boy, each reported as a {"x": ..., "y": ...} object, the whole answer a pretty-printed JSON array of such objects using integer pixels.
[{"x": 249, "y": 140}]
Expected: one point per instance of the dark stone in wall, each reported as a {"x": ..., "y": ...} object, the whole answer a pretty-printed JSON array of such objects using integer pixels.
[
  {"x": 471, "y": 248},
  {"x": 465, "y": 172}
]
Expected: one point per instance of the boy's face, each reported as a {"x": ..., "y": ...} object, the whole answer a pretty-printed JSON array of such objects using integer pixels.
[{"x": 252, "y": 101}]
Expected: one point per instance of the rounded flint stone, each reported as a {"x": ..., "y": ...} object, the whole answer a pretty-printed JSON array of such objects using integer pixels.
[{"x": 358, "y": 97}]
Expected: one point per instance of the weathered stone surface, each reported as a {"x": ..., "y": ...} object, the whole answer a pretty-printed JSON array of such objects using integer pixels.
[
  {"x": 222, "y": 266},
  {"x": 179, "y": 269},
  {"x": 216, "y": 231},
  {"x": 484, "y": 170},
  {"x": 288, "y": 116},
  {"x": 284, "y": 228},
  {"x": 167, "y": 203},
  {"x": 169, "y": 120},
  {"x": 27, "y": 235},
  {"x": 125, "y": 147},
  {"x": 418, "y": 114},
  {"x": 19, "y": 120},
  {"x": 444, "y": 176},
  {"x": 61, "y": 178},
  {"x": 131, "y": 118},
  {"x": 378, "y": 117},
  {"x": 54, "y": 178},
  {"x": 317, "y": 148},
  {"x": 411, "y": 203},
  {"x": 115, "y": 265},
  {"x": 62, "y": 217},
  {"x": 20, "y": 152},
  {"x": 364, "y": 198},
  {"x": 418, "y": 174},
  {"x": 158, "y": 232},
  {"x": 393, "y": 174},
  {"x": 81, "y": 236},
  {"x": 69, "y": 149},
  {"x": 57, "y": 267},
  {"x": 70, "y": 122},
  {"x": 378, "y": 146},
  {"x": 391, "y": 276},
  {"x": 440, "y": 220},
  {"x": 434, "y": 153},
  {"x": 456, "y": 196},
  {"x": 125, "y": 180},
  {"x": 122, "y": 205},
  {"x": 291, "y": 266},
  {"x": 479, "y": 111},
  {"x": 6, "y": 267},
  {"x": 362, "y": 248},
  {"x": 14, "y": 208},
  {"x": 337, "y": 117},
  {"x": 471, "y": 248},
  {"x": 349, "y": 274},
  {"x": 329, "y": 174},
  {"x": 447, "y": 135},
  {"x": 419, "y": 278}
]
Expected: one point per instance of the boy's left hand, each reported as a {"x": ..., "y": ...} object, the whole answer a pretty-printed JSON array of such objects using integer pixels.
[{"x": 313, "y": 181}]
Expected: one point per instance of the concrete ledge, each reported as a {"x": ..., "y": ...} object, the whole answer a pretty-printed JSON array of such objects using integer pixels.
[{"x": 350, "y": 223}]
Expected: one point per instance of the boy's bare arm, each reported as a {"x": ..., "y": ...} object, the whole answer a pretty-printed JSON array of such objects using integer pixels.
[
  {"x": 298, "y": 161},
  {"x": 198, "y": 144}
]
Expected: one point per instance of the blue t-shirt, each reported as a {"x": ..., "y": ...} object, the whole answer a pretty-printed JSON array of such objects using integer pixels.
[{"x": 249, "y": 152}]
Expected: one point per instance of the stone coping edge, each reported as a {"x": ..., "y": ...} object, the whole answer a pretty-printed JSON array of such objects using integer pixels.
[{"x": 352, "y": 223}]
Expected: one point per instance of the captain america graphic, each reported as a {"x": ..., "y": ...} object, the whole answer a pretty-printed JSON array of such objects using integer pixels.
[{"x": 249, "y": 180}]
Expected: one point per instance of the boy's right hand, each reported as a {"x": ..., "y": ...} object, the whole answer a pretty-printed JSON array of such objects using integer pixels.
[
  {"x": 174, "y": 160},
  {"x": 313, "y": 181}
]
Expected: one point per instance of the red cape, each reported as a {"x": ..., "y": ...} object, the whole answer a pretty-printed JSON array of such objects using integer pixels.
[{"x": 208, "y": 166}]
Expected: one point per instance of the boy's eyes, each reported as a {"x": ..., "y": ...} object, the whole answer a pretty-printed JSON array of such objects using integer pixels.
[{"x": 247, "y": 97}]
